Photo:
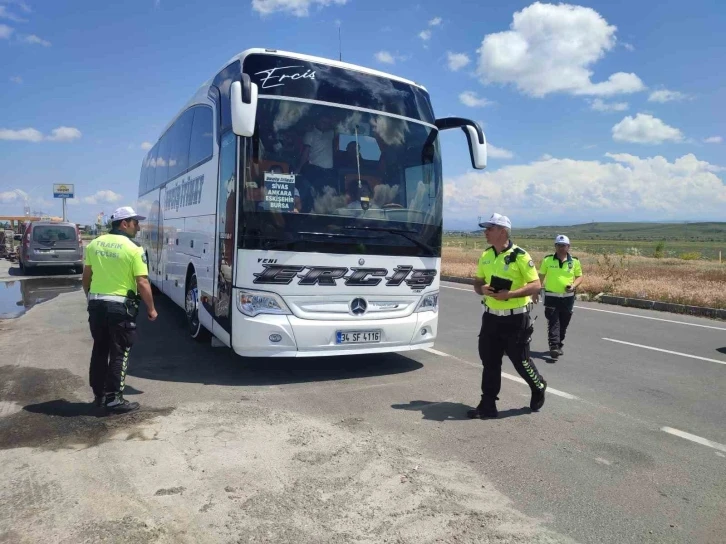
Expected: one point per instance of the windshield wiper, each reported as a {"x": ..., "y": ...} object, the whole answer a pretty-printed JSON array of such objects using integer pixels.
[
  {"x": 400, "y": 232},
  {"x": 277, "y": 243}
]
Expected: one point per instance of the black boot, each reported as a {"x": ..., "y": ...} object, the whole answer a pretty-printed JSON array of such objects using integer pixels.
[
  {"x": 486, "y": 409},
  {"x": 538, "y": 398},
  {"x": 554, "y": 352},
  {"x": 116, "y": 404}
]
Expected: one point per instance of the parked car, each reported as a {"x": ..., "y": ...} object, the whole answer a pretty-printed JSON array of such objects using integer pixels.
[{"x": 50, "y": 243}]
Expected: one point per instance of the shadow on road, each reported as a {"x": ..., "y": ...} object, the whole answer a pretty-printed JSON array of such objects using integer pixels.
[
  {"x": 722, "y": 350},
  {"x": 163, "y": 351},
  {"x": 451, "y": 411},
  {"x": 64, "y": 408},
  {"x": 543, "y": 356}
]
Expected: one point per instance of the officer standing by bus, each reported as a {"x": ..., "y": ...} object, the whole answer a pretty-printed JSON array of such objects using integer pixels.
[
  {"x": 560, "y": 273},
  {"x": 506, "y": 278},
  {"x": 115, "y": 279}
]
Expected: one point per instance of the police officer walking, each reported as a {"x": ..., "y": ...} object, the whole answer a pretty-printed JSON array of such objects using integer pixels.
[
  {"x": 506, "y": 278},
  {"x": 115, "y": 278},
  {"x": 561, "y": 273}
]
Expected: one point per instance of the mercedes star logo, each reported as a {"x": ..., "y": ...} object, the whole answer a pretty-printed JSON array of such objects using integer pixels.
[
  {"x": 361, "y": 262},
  {"x": 358, "y": 306}
]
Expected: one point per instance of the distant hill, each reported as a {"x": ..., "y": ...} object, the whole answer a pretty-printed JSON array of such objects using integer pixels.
[{"x": 683, "y": 232}]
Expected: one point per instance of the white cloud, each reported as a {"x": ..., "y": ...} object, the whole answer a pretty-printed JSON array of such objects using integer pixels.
[
  {"x": 5, "y": 32},
  {"x": 436, "y": 21},
  {"x": 425, "y": 35},
  {"x": 5, "y": 14},
  {"x": 60, "y": 134},
  {"x": 623, "y": 186},
  {"x": 102, "y": 197},
  {"x": 36, "y": 40},
  {"x": 146, "y": 146},
  {"x": 16, "y": 79},
  {"x": 494, "y": 152},
  {"x": 64, "y": 134},
  {"x": 629, "y": 46},
  {"x": 713, "y": 140},
  {"x": 457, "y": 61},
  {"x": 664, "y": 95},
  {"x": 7, "y": 197},
  {"x": 645, "y": 129},
  {"x": 551, "y": 49},
  {"x": 599, "y": 104},
  {"x": 298, "y": 8},
  {"x": 471, "y": 99},
  {"x": 25, "y": 134},
  {"x": 385, "y": 57}
]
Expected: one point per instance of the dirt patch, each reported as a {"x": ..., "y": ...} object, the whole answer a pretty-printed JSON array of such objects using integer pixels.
[
  {"x": 48, "y": 420},
  {"x": 231, "y": 472}
]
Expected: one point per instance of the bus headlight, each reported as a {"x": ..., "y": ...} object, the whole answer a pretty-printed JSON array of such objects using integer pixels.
[
  {"x": 252, "y": 303},
  {"x": 429, "y": 303}
]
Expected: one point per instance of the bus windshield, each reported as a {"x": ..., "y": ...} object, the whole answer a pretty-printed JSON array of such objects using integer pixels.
[{"x": 316, "y": 175}]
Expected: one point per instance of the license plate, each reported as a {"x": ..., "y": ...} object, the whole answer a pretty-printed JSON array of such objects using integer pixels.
[
  {"x": 45, "y": 251},
  {"x": 357, "y": 337}
]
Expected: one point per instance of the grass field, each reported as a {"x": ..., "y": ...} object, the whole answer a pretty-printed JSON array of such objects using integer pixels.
[
  {"x": 677, "y": 249},
  {"x": 692, "y": 282}
]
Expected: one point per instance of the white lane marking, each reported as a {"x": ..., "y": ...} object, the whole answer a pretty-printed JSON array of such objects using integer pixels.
[
  {"x": 694, "y": 438},
  {"x": 549, "y": 389},
  {"x": 436, "y": 352},
  {"x": 619, "y": 313},
  {"x": 504, "y": 374},
  {"x": 652, "y": 318},
  {"x": 458, "y": 288},
  {"x": 666, "y": 351}
]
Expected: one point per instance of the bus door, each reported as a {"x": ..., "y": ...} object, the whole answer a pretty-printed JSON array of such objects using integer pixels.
[{"x": 226, "y": 226}]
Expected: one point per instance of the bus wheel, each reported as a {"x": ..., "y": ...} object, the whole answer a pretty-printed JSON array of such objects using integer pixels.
[{"x": 191, "y": 307}]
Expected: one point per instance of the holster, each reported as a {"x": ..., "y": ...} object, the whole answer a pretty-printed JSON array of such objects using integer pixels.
[
  {"x": 133, "y": 301},
  {"x": 525, "y": 334}
]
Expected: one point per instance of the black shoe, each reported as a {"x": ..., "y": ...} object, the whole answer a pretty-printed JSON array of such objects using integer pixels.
[
  {"x": 98, "y": 401},
  {"x": 559, "y": 350},
  {"x": 119, "y": 405},
  {"x": 538, "y": 398},
  {"x": 554, "y": 352},
  {"x": 484, "y": 410}
]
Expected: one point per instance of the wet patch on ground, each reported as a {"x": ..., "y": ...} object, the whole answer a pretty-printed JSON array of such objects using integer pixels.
[
  {"x": 18, "y": 296},
  {"x": 49, "y": 420}
]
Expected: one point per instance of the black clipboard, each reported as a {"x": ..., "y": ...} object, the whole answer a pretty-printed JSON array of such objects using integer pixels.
[{"x": 500, "y": 284}]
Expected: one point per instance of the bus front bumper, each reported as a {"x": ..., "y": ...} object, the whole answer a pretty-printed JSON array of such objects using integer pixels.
[{"x": 290, "y": 336}]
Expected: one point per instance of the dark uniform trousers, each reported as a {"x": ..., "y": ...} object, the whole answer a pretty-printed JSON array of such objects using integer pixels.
[
  {"x": 508, "y": 334},
  {"x": 114, "y": 332},
  {"x": 558, "y": 312}
]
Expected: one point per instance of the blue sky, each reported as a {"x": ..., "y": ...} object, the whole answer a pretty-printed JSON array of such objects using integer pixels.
[{"x": 594, "y": 110}]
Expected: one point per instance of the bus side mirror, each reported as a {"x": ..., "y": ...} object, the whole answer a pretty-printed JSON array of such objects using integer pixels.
[
  {"x": 477, "y": 149},
  {"x": 474, "y": 135},
  {"x": 243, "y": 107}
]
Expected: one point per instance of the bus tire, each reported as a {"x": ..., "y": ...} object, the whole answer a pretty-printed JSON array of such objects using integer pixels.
[{"x": 191, "y": 309}]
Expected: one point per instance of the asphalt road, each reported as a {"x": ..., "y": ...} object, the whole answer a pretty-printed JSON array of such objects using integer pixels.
[{"x": 630, "y": 445}]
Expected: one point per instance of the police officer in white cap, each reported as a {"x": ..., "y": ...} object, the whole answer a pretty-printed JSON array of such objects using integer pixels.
[
  {"x": 115, "y": 279},
  {"x": 560, "y": 274},
  {"x": 506, "y": 278}
]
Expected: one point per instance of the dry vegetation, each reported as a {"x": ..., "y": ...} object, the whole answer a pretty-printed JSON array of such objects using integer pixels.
[{"x": 697, "y": 283}]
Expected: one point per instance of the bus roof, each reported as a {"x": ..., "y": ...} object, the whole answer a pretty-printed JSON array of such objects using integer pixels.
[{"x": 201, "y": 93}]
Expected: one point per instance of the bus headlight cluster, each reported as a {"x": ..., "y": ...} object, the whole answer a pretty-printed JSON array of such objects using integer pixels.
[
  {"x": 252, "y": 303},
  {"x": 429, "y": 303}
]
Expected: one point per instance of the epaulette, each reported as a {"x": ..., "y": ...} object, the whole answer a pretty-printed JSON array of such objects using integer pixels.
[
  {"x": 550, "y": 255},
  {"x": 576, "y": 258}
]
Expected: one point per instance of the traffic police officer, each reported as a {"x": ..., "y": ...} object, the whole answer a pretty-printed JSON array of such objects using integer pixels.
[
  {"x": 115, "y": 278},
  {"x": 560, "y": 273},
  {"x": 506, "y": 278}
]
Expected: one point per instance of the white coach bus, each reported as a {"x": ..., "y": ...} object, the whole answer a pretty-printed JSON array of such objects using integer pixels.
[{"x": 295, "y": 208}]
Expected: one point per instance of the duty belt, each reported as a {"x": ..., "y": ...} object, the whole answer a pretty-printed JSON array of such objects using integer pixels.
[
  {"x": 511, "y": 311},
  {"x": 559, "y": 295},
  {"x": 109, "y": 298}
]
